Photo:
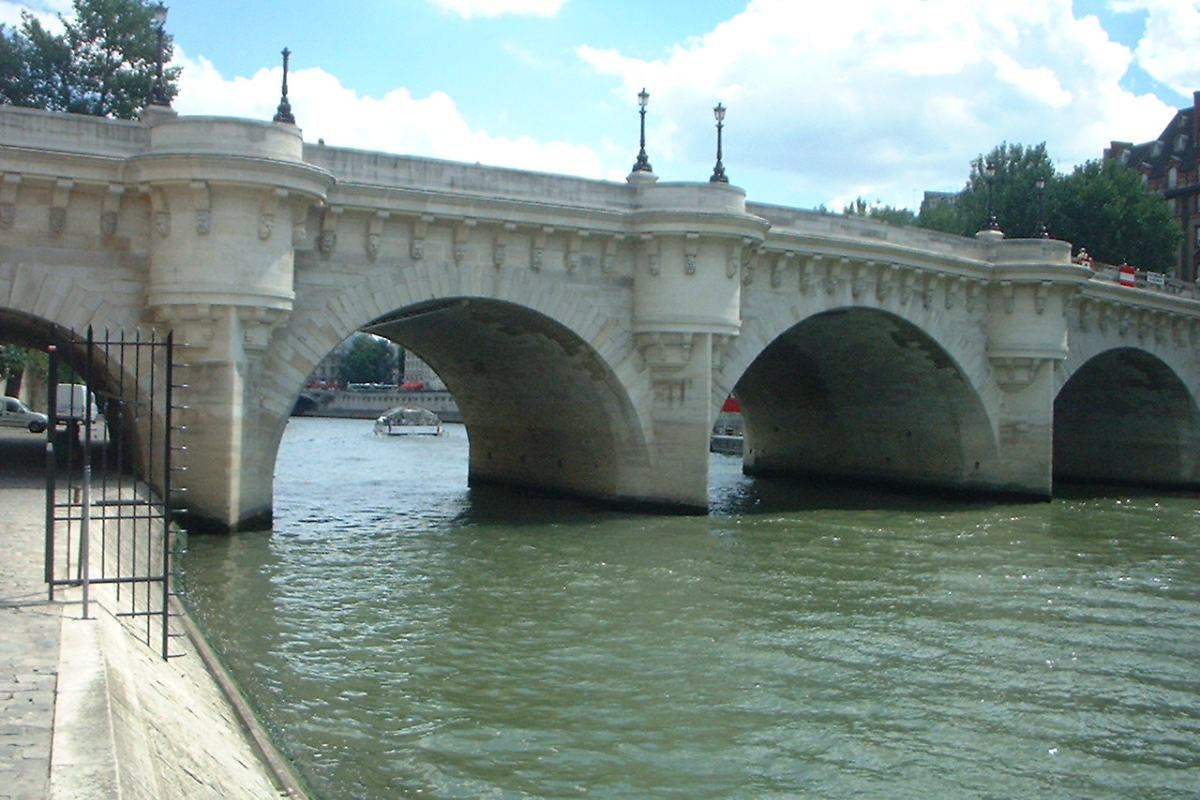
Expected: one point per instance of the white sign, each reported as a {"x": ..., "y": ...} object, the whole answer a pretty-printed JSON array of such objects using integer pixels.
[{"x": 1156, "y": 279}]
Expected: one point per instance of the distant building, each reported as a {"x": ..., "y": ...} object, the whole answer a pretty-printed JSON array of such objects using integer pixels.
[
  {"x": 1171, "y": 165},
  {"x": 328, "y": 371}
]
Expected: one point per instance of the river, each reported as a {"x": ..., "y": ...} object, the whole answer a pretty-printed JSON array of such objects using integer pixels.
[{"x": 404, "y": 636}]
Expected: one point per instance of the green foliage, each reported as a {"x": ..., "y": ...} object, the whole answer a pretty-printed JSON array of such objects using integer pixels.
[
  {"x": 1013, "y": 194},
  {"x": 1102, "y": 206},
  {"x": 104, "y": 63},
  {"x": 369, "y": 360},
  {"x": 879, "y": 211},
  {"x": 12, "y": 360}
]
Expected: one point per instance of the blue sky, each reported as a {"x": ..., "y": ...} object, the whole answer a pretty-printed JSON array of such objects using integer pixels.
[{"x": 882, "y": 99}]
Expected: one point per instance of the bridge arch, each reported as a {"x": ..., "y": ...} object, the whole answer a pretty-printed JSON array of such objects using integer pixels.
[
  {"x": 1125, "y": 416},
  {"x": 863, "y": 394}
]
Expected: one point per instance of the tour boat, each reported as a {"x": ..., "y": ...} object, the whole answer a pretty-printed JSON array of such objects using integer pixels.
[{"x": 407, "y": 421}]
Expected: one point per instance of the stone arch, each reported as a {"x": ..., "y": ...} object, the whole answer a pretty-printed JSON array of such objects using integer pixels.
[
  {"x": 863, "y": 394},
  {"x": 546, "y": 386},
  {"x": 1125, "y": 416},
  {"x": 541, "y": 406}
]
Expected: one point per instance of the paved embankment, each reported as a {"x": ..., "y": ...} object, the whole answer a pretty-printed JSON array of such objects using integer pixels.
[{"x": 89, "y": 711}]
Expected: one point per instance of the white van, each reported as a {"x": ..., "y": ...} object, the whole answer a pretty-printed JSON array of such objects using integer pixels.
[
  {"x": 15, "y": 414},
  {"x": 72, "y": 401}
]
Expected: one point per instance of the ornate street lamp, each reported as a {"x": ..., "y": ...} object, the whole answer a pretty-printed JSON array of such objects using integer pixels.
[
  {"x": 989, "y": 175},
  {"x": 1042, "y": 232},
  {"x": 284, "y": 112},
  {"x": 158, "y": 97},
  {"x": 643, "y": 163},
  {"x": 718, "y": 175}
]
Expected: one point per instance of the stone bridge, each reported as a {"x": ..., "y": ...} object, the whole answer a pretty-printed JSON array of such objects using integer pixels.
[{"x": 588, "y": 330}]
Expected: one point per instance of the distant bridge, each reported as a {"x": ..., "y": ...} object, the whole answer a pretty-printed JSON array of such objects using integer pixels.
[{"x": 589, "y": 331}]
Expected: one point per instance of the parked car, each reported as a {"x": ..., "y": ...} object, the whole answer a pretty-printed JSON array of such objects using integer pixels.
[{"x": 15, "y": 414}]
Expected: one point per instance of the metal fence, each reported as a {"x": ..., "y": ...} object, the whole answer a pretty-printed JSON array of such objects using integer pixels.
[{"x": 109, "y": 476}]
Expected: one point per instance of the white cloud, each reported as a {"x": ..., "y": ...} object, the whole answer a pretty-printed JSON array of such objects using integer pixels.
[
  {"x": 890, "y": 96},
  {"x": 1167, "y": 50},
  {"x": 494, "y": 8},
  {"x": 46, "y": 11},
  {"x": 430, "y": 127}
]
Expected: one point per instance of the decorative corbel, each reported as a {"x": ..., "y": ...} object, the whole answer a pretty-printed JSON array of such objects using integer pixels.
[
  {"x": 8, "y": 199},
  {"x": 59, "y": 200},
  {"x": 462, "y": 235},
  {"x": 832, "y": 270},
  {"x": 1143, "y": 324},
  {"x": 665, "y": 351},
  {"x": 160, "y": 211},
  {"x": 653, "y": 257},
  {"x": 537, "y": 249},
  {"x": 1105, "y": 314},
  {"x": 110, "y": 210},
  {"x": 885, "y": 281},
  {"x": 202, "y": 205},
  {"x": 1085, "y": 314},
  {"x": 327, "y": 238},
  {"x": 375, "y": 233},
  {"x": 907, "y": 280},
  {"x": 574, "y": 250},
  {"x": 1015, "y": 373},
  {"x": 420, "y": 229},
  {"x": 858, "y": 282},
  {"x": 1008, "y": 291},
  {"x": 691, "y": 248},
  {"x": 609, "y": 258},
  {"x": 928, "y": 289},
  {"x": 778, "y": 267},
  {"x": 808, "y": 268},
  {"x": 267, "y": 213},
  {"x": 749, "y": 254},
  {"x": 500, "y": 244},
  {"x": 1123, "y": 321},
  {"x": 973, "y": 291},
  {"x": 300, "y": 223},
  {"x": 953, "y": 288},
  {"x": 1041, "y": 292}
]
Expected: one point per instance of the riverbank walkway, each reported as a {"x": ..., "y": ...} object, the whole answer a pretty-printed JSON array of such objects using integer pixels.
[{"x": 88, "y": 712}]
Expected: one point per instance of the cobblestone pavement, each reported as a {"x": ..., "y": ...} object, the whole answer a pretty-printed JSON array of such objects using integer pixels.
[
  {"x": 88, "y": 712},
  {"x": 29, "y": 623}
]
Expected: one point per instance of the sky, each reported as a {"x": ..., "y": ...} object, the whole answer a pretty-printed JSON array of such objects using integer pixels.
[{"x": 827, "y": 101}]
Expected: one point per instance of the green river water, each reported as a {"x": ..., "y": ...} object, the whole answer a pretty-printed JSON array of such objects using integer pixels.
[{"x": 404, "y": 636}]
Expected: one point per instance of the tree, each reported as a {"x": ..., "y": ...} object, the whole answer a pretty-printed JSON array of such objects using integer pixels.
[
  {"x": 369, "y": 360},
  {"x": 104, "y": 63},
  {"x": 1104, "y": 206},
  {"x": 879, "y": 211},
  {"x": 1013, "y": 194},
  {"x": 12, "y": 366}
]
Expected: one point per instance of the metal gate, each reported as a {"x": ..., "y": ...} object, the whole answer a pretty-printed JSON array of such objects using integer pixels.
[{"x": 109, "y": 473}]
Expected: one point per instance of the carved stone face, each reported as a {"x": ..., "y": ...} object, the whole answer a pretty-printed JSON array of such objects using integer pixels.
[
  {"x": 108, "y": 223},
  {"x": 266, "y": 226}
]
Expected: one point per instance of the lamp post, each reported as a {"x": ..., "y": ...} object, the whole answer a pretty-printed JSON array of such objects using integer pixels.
[
  {"x": 158, "y": 97},
  {"x": 1041, "y": 232},
  {"x": 989, "y": 174},
  {"x": 284, "y": 112},
  {"x": 643, "y": 163},
  {"x": 718, "y": 175}
]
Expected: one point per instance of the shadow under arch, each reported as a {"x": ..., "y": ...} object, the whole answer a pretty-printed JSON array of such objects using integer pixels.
[
  {"x": 1125, "y": 417},
  {"x": 863, "y": 395},
  {"x": 542, "y": 408}
]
